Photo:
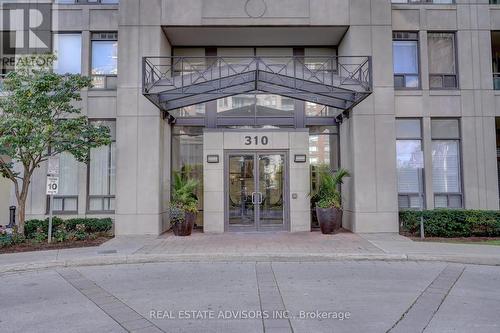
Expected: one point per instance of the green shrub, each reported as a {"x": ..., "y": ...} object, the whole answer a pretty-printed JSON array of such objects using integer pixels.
[
  {"x": 451, "y": 222},
  {"x": 61, "y": 234},
  {"x": 31, "y": 226},
  {"x": 5, "y": 240},
  {"x": 92, "y": 225}
]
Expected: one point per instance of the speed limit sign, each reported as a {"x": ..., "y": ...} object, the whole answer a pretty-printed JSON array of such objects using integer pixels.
[{"x": 52, "y": 185}]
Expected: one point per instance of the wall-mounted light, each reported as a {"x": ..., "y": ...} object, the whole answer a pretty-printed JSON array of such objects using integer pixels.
[
  {"x": 212, "y": 158},
  {"x": 300, "y": 158}
]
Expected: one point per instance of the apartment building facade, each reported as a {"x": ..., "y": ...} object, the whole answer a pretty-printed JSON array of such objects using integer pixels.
[{"x": 251, "y": 97}]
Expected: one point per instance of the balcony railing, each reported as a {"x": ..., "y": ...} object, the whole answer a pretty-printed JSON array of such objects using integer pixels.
[{"x": 174, "y": 82}]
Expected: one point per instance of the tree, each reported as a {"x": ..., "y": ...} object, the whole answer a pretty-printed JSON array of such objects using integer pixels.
[{"x": 39, "y": 119}]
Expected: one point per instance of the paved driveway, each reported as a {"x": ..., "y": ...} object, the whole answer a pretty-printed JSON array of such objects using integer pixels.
[
  {"x": 298, "y": 243},
  {"x": 243, "y": 297}
]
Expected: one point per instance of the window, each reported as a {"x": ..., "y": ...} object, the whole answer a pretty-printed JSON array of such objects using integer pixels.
[
  {"x": 187, "y": 156},
  {"x": 405, "y": 58},
  {"x": 497, "y": 127},
  {"x": 409, "y": 163},
  {"x": 67, "y": 200},
  {"x": 495, "y": 56},
  {"x": 318, "y": 110},
  {"x": 104, "y": 60},
  {"x": 101, "y": 174},
  {"x": 256, "y": 105},
  {"x": 324, "y": 150},
  {"x": 442, "y": 60},
  {"x": 446, "y": 173},
  {"x": 68, "y": 49}
]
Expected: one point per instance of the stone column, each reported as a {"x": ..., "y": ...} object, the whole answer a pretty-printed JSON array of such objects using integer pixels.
[{"x": 141, "y": 133}]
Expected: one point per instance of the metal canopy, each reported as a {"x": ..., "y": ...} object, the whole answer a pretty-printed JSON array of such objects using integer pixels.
[{"x": 336, "y": 81}]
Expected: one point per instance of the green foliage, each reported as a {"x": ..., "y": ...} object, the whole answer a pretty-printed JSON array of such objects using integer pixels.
[
  {"x": 80, "y": 232},
  {"x": 40, "y": 236},
  {"x": 328, "y": 194},
  {"x": 61, "y": 234},
  {"x": 40, "y": 119},
  {"x": 184, "y": 191},
  {"x": 5, "y": 240},
  {"x": 92, "y": 225},
  {"x": 13, "y": 238},
  {"x": 452, "y": 223}
]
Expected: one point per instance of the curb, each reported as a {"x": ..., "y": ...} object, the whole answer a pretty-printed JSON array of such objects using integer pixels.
[{"x": 224, "y": 257}]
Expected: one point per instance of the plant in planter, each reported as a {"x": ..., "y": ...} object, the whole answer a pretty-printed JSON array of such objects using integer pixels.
[
  {"x": 183, "y": 204},
  {"x": 329, "y": 199}
]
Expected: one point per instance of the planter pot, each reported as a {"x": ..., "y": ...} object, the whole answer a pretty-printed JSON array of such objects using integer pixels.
[
  {"x": 185, "y": 228},
  {"x": 330, "y": 219}
]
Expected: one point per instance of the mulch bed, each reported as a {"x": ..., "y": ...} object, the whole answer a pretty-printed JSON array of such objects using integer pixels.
[
  {"x": 454, "y": 239},
  {"x": 31, "y": 246}
]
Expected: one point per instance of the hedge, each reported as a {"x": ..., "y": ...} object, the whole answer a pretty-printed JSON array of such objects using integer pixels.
[
  {"x": 451, "y": 223},
  {"x": 92, "y": 225}
]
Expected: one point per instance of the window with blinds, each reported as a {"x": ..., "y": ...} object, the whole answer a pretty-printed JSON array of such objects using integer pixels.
[
  {"x": 410, "y": 175},
  {"x": 446, "y": 168}
]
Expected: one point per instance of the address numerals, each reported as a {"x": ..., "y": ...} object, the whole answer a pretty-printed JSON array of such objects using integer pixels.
[{"x": 256, "y": 140}]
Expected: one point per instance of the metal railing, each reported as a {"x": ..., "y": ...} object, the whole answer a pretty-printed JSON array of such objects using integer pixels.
[{"x": 216, "y": 74}]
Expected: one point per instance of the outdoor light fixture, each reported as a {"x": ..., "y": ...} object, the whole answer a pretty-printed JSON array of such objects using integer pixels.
[
  {"x": 212, "y": 158},
  {"x": 300, "y": 158}
]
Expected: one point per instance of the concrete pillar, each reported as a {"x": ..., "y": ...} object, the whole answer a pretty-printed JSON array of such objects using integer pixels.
[
  {"x": 369, "y": 135},
  {"x": 141, "y": 133}
]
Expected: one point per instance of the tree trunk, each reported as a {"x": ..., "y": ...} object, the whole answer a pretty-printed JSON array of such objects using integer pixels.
[{"x": 21, "y": 215}]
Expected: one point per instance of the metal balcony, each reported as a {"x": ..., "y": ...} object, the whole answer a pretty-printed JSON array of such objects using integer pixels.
[{"x": 175, "y": 82}]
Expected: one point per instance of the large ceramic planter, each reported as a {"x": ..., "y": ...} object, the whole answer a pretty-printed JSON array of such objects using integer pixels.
[
  {"x": 330, "y": 219},
  {"x": 185, "y": 228}
]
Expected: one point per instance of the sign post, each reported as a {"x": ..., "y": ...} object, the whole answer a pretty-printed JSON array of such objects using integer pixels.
[{"x": 52, "y": 188}]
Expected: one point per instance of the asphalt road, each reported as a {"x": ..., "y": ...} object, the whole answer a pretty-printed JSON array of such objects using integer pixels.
[{"x": 365, "y": 296}]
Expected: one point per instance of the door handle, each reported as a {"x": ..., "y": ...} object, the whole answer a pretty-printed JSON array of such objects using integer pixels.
[
  {"x": 261, "y": 196},
  {"x": 253, "y": 198}
]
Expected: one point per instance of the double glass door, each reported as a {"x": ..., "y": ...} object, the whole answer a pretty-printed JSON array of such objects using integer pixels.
[{"x": 256, "y": 191}]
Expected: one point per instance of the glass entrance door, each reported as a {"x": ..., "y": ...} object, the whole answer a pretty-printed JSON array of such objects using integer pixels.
[{"x": 256, "y": 191}]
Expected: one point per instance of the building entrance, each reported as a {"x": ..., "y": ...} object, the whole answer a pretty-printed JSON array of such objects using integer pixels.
[{"x": 256, "y": 191}]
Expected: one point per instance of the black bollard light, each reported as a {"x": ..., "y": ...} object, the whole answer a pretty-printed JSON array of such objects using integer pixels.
[{"x": 12, "y": 217}]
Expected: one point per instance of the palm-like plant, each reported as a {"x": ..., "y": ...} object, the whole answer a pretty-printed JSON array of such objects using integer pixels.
[
  {"x": 328, "y": 193},
  {"x": 183, "y": 191}
]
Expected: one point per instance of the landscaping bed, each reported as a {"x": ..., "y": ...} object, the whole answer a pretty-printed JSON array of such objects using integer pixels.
[
  {"x": 69, "y": 233},
  {"x": 461, "y": 240},
  {"x": 452, "y": 225},
  {"x": 29, "y": 246}
]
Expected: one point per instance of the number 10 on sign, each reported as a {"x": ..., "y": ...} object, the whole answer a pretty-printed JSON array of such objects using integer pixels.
[{"x": 52, "y": 185}]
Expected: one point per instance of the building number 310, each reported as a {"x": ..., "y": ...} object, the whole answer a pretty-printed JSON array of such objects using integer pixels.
[{"x": 263, "y": 140}]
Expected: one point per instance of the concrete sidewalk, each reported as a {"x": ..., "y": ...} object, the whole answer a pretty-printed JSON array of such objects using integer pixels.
[{"x": 281, "y": 246}]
